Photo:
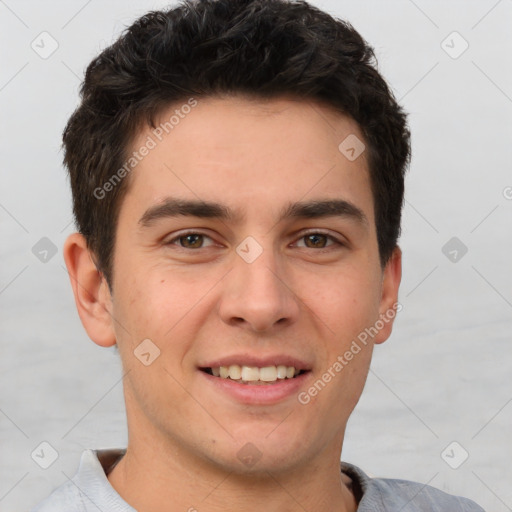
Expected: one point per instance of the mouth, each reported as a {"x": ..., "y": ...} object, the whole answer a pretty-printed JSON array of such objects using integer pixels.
[{"x": 254, "y": 375}]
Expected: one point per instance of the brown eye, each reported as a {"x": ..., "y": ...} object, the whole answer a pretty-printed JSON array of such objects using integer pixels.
[
  {"x": 191, "y": 241},
  {"x": 316, "y": 240}
]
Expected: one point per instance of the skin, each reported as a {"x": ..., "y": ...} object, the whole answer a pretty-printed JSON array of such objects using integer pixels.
[{"x": 198, "y": 304}]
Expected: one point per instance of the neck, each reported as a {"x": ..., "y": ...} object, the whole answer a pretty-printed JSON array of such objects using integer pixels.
[
  {"x": 161, "y": 473},
  {"x": 153, "y": 478}
]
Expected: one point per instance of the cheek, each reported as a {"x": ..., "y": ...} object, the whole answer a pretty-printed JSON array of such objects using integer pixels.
[
  {"x": 346, "y": 301},
  {"x": 161, "y": 303}
]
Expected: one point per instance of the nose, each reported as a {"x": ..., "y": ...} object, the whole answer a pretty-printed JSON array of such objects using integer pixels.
[{"x": 257, "y": 296}]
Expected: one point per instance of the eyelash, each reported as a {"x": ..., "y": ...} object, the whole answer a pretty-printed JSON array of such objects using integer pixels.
[{"x": 304, "y": 235}]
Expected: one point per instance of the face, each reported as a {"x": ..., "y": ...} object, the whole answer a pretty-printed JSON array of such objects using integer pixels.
[{"x": 247, "y": 241}]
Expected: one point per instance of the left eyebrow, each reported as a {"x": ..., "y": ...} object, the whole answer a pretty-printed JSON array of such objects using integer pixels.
[
  {"x": 328, "y": 208},
  {"x": 173, "y": 207}
]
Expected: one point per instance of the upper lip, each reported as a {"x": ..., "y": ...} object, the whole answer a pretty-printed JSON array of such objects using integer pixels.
[{"x": 258, "y": 361}]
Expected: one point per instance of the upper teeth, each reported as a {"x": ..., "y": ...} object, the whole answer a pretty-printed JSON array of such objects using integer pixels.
[{"x": 253, "y": 373}]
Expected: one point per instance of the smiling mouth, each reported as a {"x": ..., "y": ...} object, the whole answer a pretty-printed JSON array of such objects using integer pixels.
[{"x": 254, "y": 375}]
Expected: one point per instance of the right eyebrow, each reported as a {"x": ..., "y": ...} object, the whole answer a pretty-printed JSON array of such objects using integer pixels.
[{"x": 173, "y": 207}]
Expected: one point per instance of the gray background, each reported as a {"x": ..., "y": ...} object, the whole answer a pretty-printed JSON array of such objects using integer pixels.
[{"x": 445, "y": 374}]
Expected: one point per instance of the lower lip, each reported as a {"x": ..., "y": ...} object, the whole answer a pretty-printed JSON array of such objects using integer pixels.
[{"x": 258, "y": 394}]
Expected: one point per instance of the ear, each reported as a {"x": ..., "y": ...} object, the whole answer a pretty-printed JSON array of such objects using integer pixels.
[
  {"x": 90, "y": 288},
  {"x": 389, "y": 305}
]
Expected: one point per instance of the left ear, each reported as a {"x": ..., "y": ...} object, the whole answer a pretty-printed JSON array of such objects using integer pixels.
[{"x": 389, "y": 305}]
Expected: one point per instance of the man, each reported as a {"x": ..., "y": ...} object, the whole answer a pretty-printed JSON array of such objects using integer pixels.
[{"x": 237, "y": 172}]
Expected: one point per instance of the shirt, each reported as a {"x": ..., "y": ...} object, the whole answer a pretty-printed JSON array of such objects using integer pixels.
[{"x": 89, "y": 491}]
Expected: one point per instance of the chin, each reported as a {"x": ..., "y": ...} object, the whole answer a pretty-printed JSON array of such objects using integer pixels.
[{"x": 260, "y": 451}]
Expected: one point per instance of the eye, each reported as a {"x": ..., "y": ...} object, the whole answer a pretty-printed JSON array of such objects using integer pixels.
[
  {"x": 318, "y": 240},
  {"x": 191, "y": 240}
]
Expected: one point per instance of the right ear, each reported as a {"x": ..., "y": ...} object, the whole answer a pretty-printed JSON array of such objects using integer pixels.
[{"x": 92, "y": 294}]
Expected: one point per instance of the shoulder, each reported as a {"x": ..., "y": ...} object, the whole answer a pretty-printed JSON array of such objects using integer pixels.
[
  {"x": 416, "y": 497},
  {"x": 386, "y": 495},
  {"x": 89, "y": 489},
  {"x": 66, "y": 498}
]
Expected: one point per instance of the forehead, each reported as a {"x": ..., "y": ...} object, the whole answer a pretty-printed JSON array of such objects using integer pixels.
[{"x": 251, "y": 153}]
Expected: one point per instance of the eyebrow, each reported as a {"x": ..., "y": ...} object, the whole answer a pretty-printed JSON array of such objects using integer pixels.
[
  {"x": 326, "y": 208},
  {"x": 173, "y": 207}
]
